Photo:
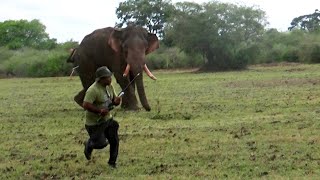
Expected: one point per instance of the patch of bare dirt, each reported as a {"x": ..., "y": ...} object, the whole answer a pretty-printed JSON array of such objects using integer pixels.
[
  {"x": 273, "y": 83},
  {"x": 295, "y": 70},
  {"x": 182, "y": 70},
  {"x": 274, "y": 64}
]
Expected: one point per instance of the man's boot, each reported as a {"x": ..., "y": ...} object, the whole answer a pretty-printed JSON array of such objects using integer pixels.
[{"x": 87, "y": 150}]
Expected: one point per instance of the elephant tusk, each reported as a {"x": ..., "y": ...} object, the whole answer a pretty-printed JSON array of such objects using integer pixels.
[
  {"x": 146, "y": 69},
  {"x": 126, "y": 71}
]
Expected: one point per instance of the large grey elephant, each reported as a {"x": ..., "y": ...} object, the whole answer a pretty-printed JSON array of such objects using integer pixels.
[{"x": 124, "y": 52}]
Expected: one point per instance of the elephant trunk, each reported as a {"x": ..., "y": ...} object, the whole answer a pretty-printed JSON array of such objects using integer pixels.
[{"x": 141, "y": 93}]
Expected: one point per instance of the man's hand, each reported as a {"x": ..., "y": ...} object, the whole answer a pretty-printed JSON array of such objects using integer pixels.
[
  {"x": 116, "y": 101},
  {"x": 103, "y": 112}
]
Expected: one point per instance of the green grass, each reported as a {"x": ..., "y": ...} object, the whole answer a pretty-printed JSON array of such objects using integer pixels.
[{"x": 258, "y": 123}]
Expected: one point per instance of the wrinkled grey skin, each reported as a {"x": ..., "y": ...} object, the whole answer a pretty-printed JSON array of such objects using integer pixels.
[{"x": 115, "y": 48}]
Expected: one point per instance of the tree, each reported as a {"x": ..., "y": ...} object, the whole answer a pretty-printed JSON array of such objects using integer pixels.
[
  {"x": 224, "y": 33},
  {"x": 16, "y": 34},
  {"x": 309, "y": 22},
  {"x": 151, "y": 14}
]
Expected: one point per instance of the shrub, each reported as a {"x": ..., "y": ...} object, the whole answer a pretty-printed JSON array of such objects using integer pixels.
[
  {"x": 14, "y": 45},
  {"x": 315, "y": 54},
  {"x": 241, "y": 59},
  {"x": 2, "y": 71},
  {"x": 169, "y": 58},
  {"x": 291, "y": 55},
  {"x": 36, "y": 63},
  {"x": 5, "y": 54},
  {"x": 53, "y": 65},
  {"x": 156, "y": 61}
]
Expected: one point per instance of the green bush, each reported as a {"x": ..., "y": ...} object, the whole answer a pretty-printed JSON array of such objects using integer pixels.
[
  {"x": 291, "y": 55},
  {"x": 170, "y": 58},
  {"x": 294, "y": 46},
  {"x": 27, "y": 62},
  {"x": 241, "y": 59},
  {"x": 247, "y": 55},
  {"x": 21, "y": 59},
  {"x": 156, "y": 61},
  {"x": 5, "y": 54},
  {"x": 36, "y": 69},
  {"x": 315, "y": 54},
  {"x": 13, "y": 45},
  {"x": 3, "y": 72},
  {"x": 277, "y": 52},
  {"x": 54, "y": 65},
  {"x": 67, "y": 45}
]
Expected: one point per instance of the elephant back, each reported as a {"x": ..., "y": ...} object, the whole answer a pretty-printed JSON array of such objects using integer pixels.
[
  {"x": 95, "y": 47},
  {"x": 96, "y": 39}
]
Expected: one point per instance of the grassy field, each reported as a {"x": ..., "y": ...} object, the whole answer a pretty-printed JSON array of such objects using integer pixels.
[{"x": 258, "y": 123}]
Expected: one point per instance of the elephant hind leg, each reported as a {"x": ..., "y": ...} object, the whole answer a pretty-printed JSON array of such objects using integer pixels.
[
  {"x": 87, "y": 77},
  {"x": 79, "y": 97}
]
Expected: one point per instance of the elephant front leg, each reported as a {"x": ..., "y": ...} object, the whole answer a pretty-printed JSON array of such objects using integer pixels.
[
  {"x": 87, "y": 77},
  {"x": 129, "y": 102},
  {"x": 79, "y": 97},
  {"x": 129, "y": 99}
]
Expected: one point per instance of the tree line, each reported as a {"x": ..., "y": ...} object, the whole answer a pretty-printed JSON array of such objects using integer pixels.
[
  {"x": 224, "y": 35},
  {"x": 213, "y": 36}
]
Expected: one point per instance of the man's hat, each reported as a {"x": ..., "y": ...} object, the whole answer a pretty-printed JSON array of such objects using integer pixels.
[{"x": 103, "y": 71}]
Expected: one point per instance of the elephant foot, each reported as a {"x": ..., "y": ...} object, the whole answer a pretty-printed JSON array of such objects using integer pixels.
[
  {"x": 130, "y": 107},
  {"x": 147, "y": 107},
  {"x": 134, "y": 108}
]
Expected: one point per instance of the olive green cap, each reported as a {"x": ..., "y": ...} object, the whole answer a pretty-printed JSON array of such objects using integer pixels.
[{"x": 103, "y": 71}]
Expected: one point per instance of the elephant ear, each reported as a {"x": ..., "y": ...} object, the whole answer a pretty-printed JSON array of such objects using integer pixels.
[
  {"x": 115, "y": 40},
  {"x": 153, "y": 43}
]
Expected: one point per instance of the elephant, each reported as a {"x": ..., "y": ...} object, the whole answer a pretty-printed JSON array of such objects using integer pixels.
[{"x": 124, "y": 52}]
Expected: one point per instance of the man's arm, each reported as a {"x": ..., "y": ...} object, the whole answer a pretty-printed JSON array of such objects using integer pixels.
[
  {"x": 115, "y": 100},
  {"x": 90, "y": 107}
]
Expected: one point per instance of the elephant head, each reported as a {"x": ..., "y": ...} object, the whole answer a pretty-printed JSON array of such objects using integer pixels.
[{"x": 133, "y": 44}]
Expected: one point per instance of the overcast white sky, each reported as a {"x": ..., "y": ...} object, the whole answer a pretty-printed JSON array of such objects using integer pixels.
[{"x": 73, "y": 19}]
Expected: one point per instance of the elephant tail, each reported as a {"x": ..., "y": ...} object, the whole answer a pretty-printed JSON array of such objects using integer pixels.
[{"x": 71, "y": 58}]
